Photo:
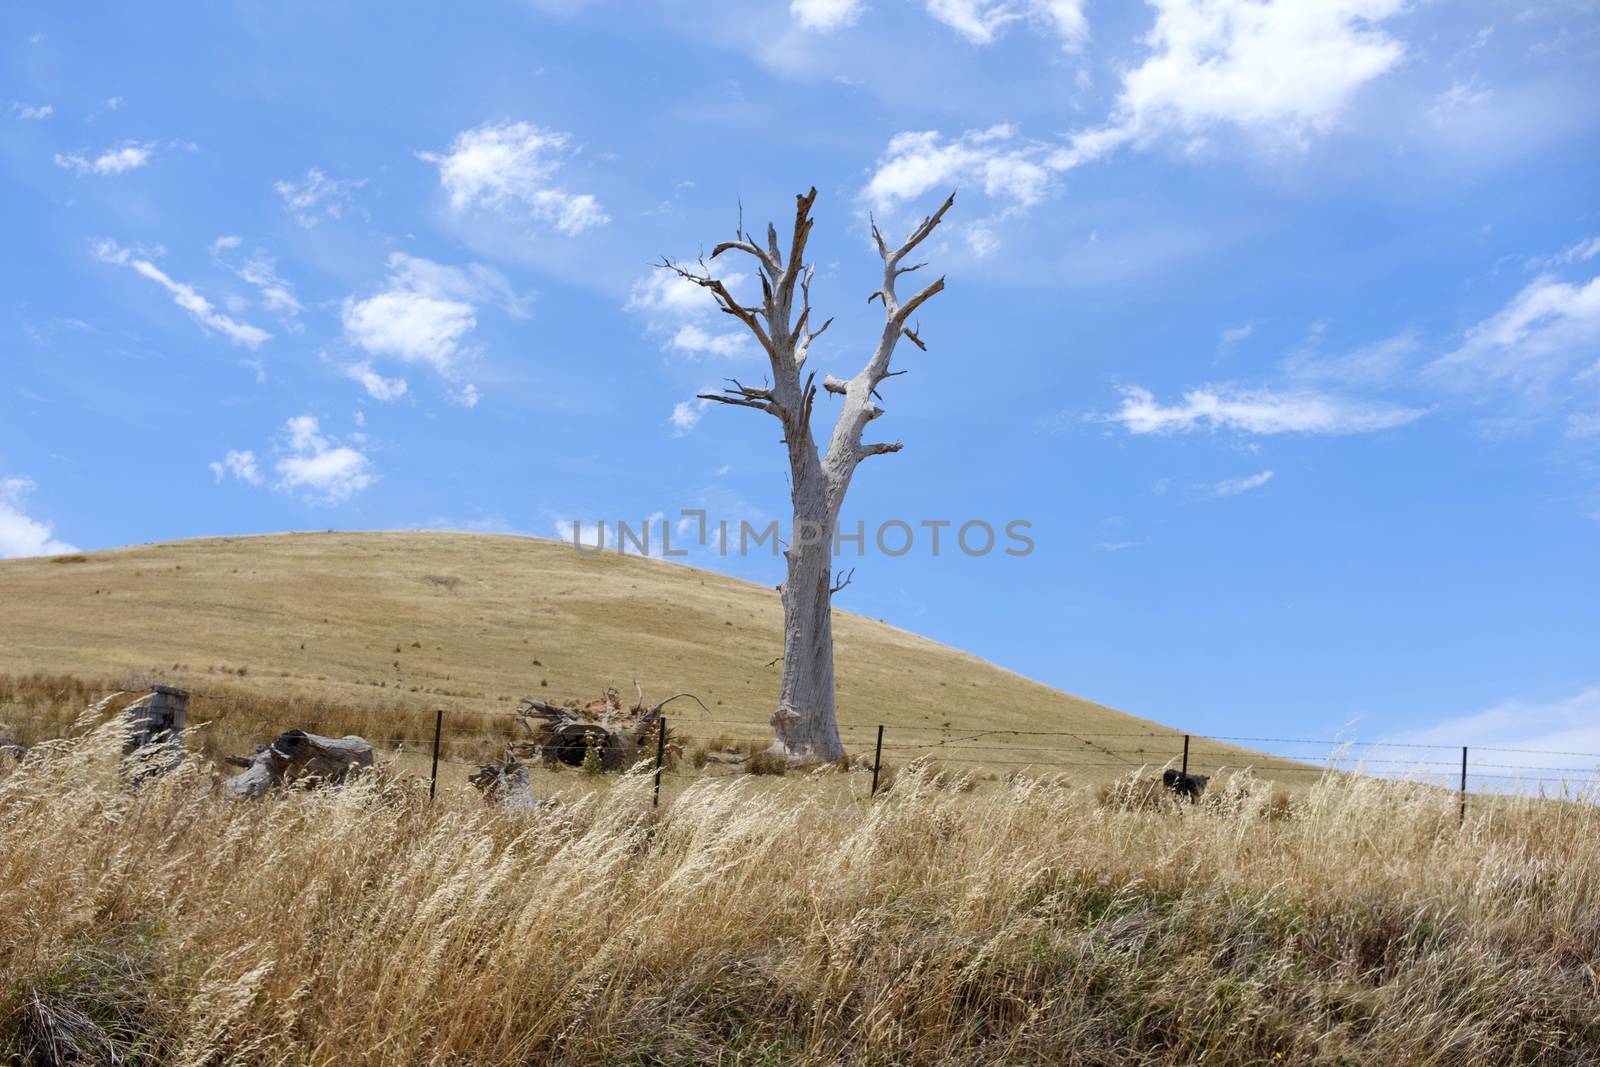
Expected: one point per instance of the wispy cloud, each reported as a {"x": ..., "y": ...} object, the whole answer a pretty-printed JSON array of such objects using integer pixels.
[
  {"x": 1548, "y": 330},
  {"x": 317, "y": 197},
  {"x": 129, "y": 155},
  {"x": 1562, "y": 732},
  {"x": 1234, "y": 334},
  {"x": 1257, "y": 411},
  {"x": 261, "y": 271},
  {"x": 185, "y": 296},
  {"x": 32, "y": 112},
  {"x": 1235, "y": 486},
  {"x": 1581, "y": 252}
]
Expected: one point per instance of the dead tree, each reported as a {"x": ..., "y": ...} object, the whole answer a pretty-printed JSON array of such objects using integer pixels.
[
  {"x": 804, "y": 723},
  {"x": 298, "y": 756},
  {"x": 619, "y": 736}
]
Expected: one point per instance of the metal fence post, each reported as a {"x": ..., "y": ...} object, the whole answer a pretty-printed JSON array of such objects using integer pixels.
[
  {"x": 1463, "y": 819},
  {"x": 877, "y": 761},
  {"x": 438, "y": 728},
  {"x": 1186, "y": 759},
  {"x": 661, "y": 757}
]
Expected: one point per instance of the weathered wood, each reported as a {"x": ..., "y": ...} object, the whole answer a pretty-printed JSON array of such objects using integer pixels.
[
  {"x": 159, "y": 715},
  {"x": 621, "y": 735},
  {"x": 298, "y": 756},
  {"x": 504, "y": 783}
]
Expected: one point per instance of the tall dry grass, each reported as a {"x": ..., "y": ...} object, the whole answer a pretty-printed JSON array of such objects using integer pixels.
[{"x": 1030, "y": 923}]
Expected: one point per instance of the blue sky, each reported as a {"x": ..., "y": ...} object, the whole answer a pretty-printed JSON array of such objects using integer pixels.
[{"x": 1279, "y": 322}]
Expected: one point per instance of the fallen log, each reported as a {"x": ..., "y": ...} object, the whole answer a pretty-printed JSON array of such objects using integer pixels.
[{"x": 298, "y": 756}]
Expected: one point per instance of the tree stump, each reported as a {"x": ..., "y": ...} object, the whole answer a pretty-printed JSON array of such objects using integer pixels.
[
  {"x": 298, "y": 756},
  {"x": 504, "y": 783}
]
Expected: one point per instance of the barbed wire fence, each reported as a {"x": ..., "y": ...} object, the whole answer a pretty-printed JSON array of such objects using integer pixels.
[{"x": 455, "y": 739}]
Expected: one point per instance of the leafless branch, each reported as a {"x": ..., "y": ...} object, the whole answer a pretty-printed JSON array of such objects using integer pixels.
[
  {"x": 879, "y": 449},
  {"x": 841, "y": 580}
]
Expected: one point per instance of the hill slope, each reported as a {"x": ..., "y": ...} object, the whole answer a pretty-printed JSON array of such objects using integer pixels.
[{"x": 470, "y": 622}]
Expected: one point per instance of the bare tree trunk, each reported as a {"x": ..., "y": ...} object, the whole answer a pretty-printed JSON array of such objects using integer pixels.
[{"x": 805, "y": 724}]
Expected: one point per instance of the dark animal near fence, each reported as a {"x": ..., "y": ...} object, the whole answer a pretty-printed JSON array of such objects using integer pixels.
[{"x": 1189, "y": 786}]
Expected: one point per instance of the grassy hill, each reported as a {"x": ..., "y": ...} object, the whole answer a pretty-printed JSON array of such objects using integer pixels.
[{"x": 399, "y": 623}]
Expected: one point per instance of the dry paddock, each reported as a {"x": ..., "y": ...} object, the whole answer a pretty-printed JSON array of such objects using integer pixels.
[{"x": 772, "y": 922}]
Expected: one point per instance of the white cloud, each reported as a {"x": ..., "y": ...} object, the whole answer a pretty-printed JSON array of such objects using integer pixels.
[
  {"x": 1286, "y": 68},
  {"x": 663, "y": 290},
  {"x": 694, "y": 340},
  {"x": 468, "y": 396},
  {"x": 425, "y": 311},
  {"x": 916, "y": 163},
  {"x": 982, "y": 240},
  {"x": 1564, "y": 732},
  {"x": 26, "y": 111},
  {"x": 826, "y": 14},
  {"x": 498, "y": 164},
  {"x": 328, "y": 472},
  {"x": 686, "y": 414},
  {"x": 1257, "y": 411},
  {"x": 983, "y": 21},
  {"x": 581, "y": 534},
  {"x": 411, "y": 326},
  {"x": 377, "y": 386},
  {"x": 242, "y": 465},
  {"x": 1235, "y": 486},
  {"x": 125, "y": 157},
  {"x": 1531, "y": 342},
  {"x": 678, "y": 310},
  {"x": 240, "y": 333},
  {"x": 1234, "y": 334},
  {"x": 317, "y": 196},
  {"x": 21, "y": 535}
]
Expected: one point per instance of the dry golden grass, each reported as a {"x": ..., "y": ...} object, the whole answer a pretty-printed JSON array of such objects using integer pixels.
[
  {"x": 749, "y": 923},
  {"x": 369, "y": 632}
]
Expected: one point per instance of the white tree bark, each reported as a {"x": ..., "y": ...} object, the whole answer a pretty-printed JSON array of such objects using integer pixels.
[{"x": 804, "y": 723}]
